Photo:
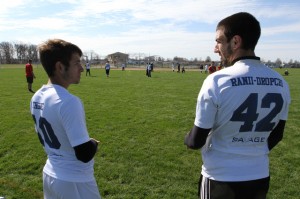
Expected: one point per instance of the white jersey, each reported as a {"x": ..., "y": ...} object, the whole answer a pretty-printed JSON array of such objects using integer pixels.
[
  {"x": 60, "y": 123},
  {"x": 88, "y": 66},
  {"x": 148, "y": 67},
  {"x": 241, "y": 105}
]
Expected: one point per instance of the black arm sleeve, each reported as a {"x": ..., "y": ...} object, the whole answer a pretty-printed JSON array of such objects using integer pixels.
[
  {"x": 276, "y": 135},
  {"x": 86, "y": 151},
  {"x": 196, "y": 138}
]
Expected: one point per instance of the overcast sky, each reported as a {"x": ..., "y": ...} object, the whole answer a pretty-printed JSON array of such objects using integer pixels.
[{"x": 168, "y": 28}]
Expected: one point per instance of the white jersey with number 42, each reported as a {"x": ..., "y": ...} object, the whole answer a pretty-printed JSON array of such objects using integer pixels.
[{"x": 241, "y": 105}]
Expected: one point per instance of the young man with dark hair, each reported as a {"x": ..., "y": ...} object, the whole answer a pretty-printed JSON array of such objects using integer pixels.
[
  {"x": 61, "y": 127},
  {"x": 240, "y": 115}
]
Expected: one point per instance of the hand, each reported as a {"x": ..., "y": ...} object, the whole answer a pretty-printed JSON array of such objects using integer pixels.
[
  {"x": 98, "y": 142},
  {"x": 186, "y": 140}
]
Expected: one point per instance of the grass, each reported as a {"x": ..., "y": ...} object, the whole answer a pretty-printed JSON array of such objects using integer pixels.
[{"x": 141, "y": 123}]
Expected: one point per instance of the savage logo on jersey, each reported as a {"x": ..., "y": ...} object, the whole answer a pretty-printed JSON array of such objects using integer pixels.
[
  {"x": 249, "y": 139},
  {"x": 265, "y": 81}
]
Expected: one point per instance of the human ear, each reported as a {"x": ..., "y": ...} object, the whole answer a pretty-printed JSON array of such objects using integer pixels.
[
  {"x": 59, "y": 67},
  {"x": 236, "y": 41}
]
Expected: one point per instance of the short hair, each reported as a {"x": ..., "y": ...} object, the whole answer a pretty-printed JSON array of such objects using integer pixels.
[
  {"x": 243, "y": 24},
  {"x": 56, "y": 50}
]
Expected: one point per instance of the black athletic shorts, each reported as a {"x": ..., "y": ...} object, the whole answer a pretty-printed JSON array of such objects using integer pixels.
[
  {"x": 254, "y": 189},
  {"x": 29, "y": 80}
]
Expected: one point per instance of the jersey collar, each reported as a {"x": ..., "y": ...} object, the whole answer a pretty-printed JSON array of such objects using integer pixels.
[{"x": 245, "y": 57}]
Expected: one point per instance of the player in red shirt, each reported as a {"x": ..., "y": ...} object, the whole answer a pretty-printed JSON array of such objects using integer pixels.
[
  {"x": 212, "y": 68},
  {"x": 29, "y": 75},
  {"x": 219, "y": 67}
]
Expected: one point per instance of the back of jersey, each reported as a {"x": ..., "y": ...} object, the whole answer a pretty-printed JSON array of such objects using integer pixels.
[
  {"x": 60, "y": 125},
  {"x": 243, "y": 104}
]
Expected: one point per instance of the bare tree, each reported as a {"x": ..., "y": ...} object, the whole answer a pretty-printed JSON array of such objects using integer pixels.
[
  {"x": 21, "y": 52},
  {"x": 208, "y": 59},
  {"x": 6, "y": 52},
  {"x": 91, "y": 55},
  {"x": 32, "y": 52},
  {"x": 278, "y": 62}
]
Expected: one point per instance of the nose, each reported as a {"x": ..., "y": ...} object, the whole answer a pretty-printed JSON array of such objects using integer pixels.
[{"x": 216, "y": 49}]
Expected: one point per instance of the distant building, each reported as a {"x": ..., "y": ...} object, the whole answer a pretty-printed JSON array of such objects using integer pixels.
[{"x": 117, "y": 58}]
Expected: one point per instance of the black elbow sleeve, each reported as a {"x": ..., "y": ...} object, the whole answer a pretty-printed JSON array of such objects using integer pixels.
[
  {"x": 276, "y": 135},
  {"x": 86, "y": 151},
  {"x": 196, "y": 138}
]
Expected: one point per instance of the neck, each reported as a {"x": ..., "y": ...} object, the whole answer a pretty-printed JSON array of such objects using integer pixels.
[
  {"x": 245, "y": 57},
  {"x": 53, "y": 80},
  {"x": 239, "y": 54}
]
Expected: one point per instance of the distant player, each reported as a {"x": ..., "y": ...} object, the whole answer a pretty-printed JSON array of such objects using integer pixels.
[
  {"x": 205, "y": 68},
  {"x": 107, "y": 69},
  {"x": 219, "y": 67},
  {"x": 61, "y": 127},
  {"x": 29, "y": 75},
  {"x": 178, "y": 67},
  {"x": 240, "y": 115},
  {"x": 88, "y": 69},
  {"x": 182, "y": 69},
  {"x": 148, "y": 70},
  {"x": 212, "y": 68},
  {"x": 286, "y": 72}
]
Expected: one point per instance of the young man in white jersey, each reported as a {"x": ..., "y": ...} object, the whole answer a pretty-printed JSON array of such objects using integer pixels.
[
  {"x": 240, "y": 115},
  {"x": 61, "y": 127}
]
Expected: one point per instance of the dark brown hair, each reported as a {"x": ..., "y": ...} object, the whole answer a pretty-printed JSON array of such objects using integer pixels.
[
  {"x": 56, "y": 50},
  {"x": 243, "y": 24}
]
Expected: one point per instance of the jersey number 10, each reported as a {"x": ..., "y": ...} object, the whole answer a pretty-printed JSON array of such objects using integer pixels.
[{"x": 48, "y": 133}]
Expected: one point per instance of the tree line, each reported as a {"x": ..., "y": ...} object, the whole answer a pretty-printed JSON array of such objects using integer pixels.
[{"x": 19, "y": 53}]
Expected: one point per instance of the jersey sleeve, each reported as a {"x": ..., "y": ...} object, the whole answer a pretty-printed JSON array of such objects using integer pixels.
[
  {"x": 73, "y": 118},
  {"x": 207, "y": 105},
  {"x": 287, "y": 96}
]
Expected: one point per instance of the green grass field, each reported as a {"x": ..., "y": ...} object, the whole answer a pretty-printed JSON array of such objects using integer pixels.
[{"x": 141, "y": 123}]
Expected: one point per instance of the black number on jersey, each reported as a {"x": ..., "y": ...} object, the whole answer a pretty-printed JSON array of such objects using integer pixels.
[
  {"x": 247, "y": 112},
  {"x": 48, "y": 133}
]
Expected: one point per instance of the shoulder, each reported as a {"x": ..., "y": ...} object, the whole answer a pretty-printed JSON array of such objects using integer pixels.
[
  {"x": 72, "y": 99},
  {"x": 64, "y": 94},
  {"x": 71, "y": 105}
]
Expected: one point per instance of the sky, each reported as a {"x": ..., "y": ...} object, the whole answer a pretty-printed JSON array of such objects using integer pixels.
[{"x": 165, "y": 28}]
